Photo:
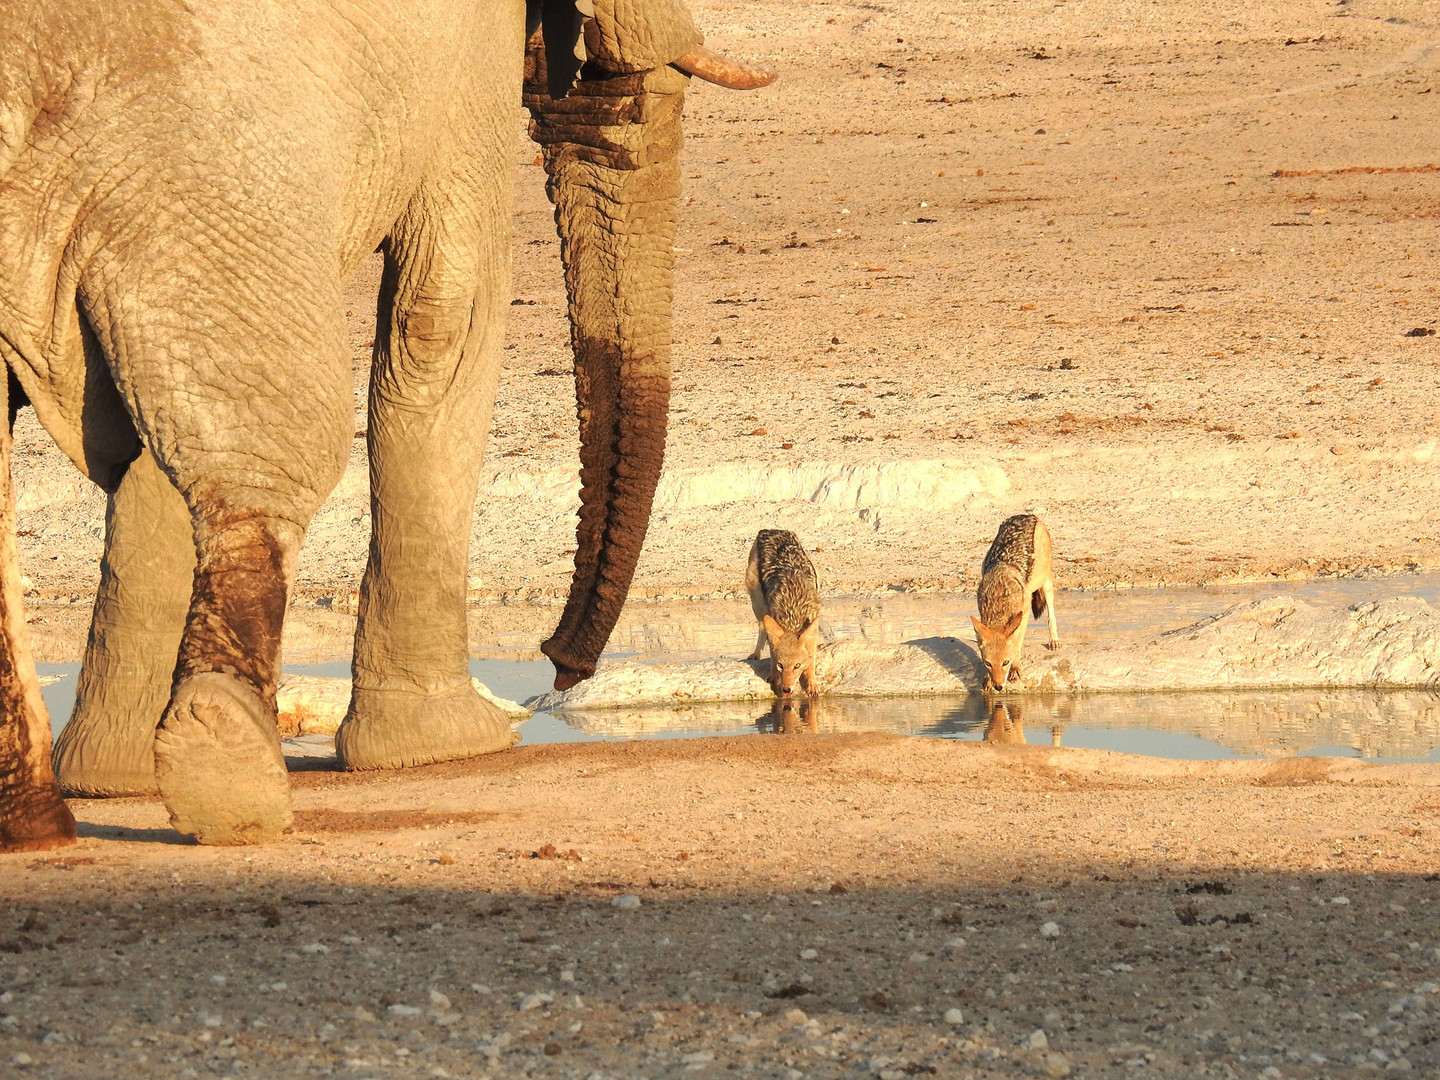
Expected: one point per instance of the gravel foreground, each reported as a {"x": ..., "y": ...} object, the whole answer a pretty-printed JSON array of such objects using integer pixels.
[{"x": 836, "y": 906}]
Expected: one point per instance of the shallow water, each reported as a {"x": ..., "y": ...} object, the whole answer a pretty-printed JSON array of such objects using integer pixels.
[{"x": 1392, "y": 725}]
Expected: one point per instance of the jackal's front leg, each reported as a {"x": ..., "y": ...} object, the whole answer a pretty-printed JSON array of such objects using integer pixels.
[{"x": 762, "y": 642}]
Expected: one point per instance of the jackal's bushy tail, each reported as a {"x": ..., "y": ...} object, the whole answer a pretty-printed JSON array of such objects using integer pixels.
[{"x": 1037, "y": 604}]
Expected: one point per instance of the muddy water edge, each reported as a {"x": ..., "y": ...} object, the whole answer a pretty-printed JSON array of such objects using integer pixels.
[{"x": 1383, "y": 725}]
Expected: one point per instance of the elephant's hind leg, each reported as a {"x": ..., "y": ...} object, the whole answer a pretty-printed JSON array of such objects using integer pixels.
[
  {"x": 108, "y": 747},
  {"x": 32, "y": 814},
  {"x": 217, "y": 751},
  {"x": 253, "y": 439}
]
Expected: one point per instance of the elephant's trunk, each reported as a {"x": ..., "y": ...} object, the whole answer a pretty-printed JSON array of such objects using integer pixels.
[{"x": 611, "y": 149}]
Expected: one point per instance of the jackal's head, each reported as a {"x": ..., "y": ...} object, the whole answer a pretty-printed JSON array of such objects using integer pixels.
[
  {"x": 792, "y": 656},
  {"x": 999, "y": 649}
]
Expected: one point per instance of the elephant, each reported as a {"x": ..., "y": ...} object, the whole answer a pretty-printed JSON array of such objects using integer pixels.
[{"x": 184, "y": 190}]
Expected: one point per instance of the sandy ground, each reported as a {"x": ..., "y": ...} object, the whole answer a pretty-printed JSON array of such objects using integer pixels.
[{"x": 806, "y": 908}]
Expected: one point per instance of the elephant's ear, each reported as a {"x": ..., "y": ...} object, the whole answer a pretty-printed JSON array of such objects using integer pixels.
[{"x": 564, "y": 25}]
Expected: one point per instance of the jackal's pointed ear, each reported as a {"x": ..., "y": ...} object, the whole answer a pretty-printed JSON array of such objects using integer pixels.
[
  {"x": 773, "y": 629},
  {"x": 1013, "y": 625},
  {"x": 981, "y": 630},
  {"x": 810, "y": 632}
]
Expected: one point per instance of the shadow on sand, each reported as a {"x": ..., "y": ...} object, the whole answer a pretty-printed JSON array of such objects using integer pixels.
[{"x": 1222, "y": 970}]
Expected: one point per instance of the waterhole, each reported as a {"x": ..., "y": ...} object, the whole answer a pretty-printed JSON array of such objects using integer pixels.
[{"x": 1381, "y": 725}]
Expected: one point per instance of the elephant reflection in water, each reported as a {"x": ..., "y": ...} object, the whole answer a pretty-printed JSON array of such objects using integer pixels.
[
  {"x": 1006, "y": 725},
  {"x": 791, "y": 716}
]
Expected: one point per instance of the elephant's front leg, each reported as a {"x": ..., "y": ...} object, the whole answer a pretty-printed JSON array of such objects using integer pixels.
[
  {"x": 108, "y": 747},
  {"x": 444, "y": 298},
  {"x": 412, "y": 702}
]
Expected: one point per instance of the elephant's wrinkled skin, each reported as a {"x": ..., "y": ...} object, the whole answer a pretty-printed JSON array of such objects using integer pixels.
[{"x": 184, "y": 189}]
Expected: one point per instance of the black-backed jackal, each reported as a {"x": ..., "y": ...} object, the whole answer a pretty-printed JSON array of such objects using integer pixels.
[
  {"x": 785, "y": 596},
  {"x": 1015, "y": 581}
]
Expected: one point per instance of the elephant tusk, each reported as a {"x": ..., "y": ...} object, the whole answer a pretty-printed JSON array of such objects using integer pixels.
[{"x": 706, "y": 64}]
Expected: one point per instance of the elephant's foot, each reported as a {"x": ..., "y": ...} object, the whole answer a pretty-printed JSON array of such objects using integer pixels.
[
  {"x": 34, "y": 820},
  {"x": 218, "y": 763},
  {"x": 390, "y": 729},
  {"x": 103, "y": 751}
]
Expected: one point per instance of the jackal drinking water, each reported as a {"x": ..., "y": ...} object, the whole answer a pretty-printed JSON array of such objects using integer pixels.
[
  {"x": 785, "y": 596},
  {"x": 1015, "y": 581}
]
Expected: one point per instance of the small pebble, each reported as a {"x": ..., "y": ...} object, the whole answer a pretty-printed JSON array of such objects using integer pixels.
[
  {"x": 534, "y": 1001},
  {"x": 315, "y": 948},
  {"x": 629, "y": 900},
  {"x": 439, "y": 1001},
  {"x": 1037, "y": 1040},
  {"x": 1055, "y": 1065},
  {"x": 21, "y": 1059},
  {"x": 954, "y": 1016},
  {"x": 567, "y": 976},
  {"x": 699, "y": 1057},
  {"x": 796, "y": 1016},
  {"x": 808, "y": 954},
  {"x": 1049, "y": 930},
  {"x": 1342, "y": 900},
  {"x": 403, "y": 1010},
  {"x": 364, "y": 1015},
  {"x": 918, "y": 958},
  {"x": 954, "y": 943}
]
